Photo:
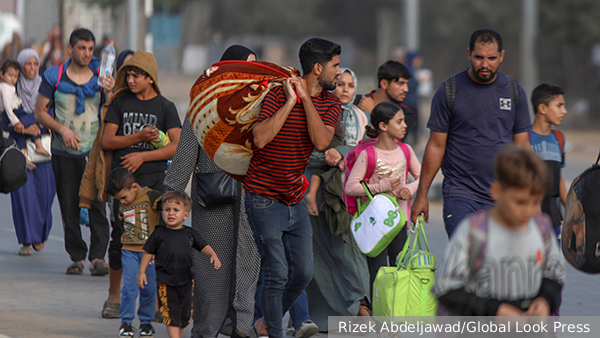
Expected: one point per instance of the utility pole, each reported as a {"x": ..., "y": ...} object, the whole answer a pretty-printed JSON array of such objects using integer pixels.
[
  {"x": 133, "y": 24},
  {"x": 529, "y": 73},
  {"x": 412, "y": 27}
]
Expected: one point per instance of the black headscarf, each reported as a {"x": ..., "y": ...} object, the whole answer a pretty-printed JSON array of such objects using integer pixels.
[
  {"x": 122, "y": 56},
  {"x": 236, "y": 52}
]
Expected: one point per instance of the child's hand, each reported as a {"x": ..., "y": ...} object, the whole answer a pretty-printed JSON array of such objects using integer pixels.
[
  {"x": 404, "y": 194},
  {"x": 539, "y": 307},
  {"x": 33, "y": 130},
  {"x": 19, "y": 128},
  {"x": 141, "y": 280},
  {"x": 214, "y": 259},
  {"x": 395, "y": 183},
  {"x": 506, "y": 309}
]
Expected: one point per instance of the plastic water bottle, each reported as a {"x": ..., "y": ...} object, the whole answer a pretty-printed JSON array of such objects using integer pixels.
[{"x": 108, "y": 61}]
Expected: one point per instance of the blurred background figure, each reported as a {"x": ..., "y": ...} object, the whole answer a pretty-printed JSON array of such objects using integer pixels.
[{"x": 12, "y": 50}]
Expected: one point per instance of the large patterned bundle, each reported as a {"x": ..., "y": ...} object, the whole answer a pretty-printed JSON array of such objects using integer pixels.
[
  {"x": 225, "y": 102},
  {"x": 581, "y": 228}
]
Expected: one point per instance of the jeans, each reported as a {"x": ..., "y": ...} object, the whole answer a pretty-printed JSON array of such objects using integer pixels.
[
  {"x": 68, "y": 172},
  {"x": 285, "y": 234},
  {"x": 456, "y": 208},
  {"x": 299, "y": 311},
  {"x": 131, "y": 266}
]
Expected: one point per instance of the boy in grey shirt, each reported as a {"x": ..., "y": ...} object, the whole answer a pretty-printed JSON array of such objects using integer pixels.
[{"x": 505, "y": 261}]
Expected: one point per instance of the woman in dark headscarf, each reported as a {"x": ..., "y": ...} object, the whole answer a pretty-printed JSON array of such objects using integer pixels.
[
  {"x": 227, "y": 293},
  {"x": 124, "y": 56},
  {"x": 237, "y": 52},
  {"x": 32, "y": 203}
]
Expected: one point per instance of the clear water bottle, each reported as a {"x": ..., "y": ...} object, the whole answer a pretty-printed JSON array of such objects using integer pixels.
[{"x": 108, "y": 61}]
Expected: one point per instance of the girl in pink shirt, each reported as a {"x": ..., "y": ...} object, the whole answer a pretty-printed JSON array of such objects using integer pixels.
[{"x": 388, "y": 125}]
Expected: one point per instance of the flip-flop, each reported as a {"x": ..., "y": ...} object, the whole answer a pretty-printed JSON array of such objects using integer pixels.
[
  {"x": 38, "y": 247},
  {"x": 99, "y": 268},
  {"x": 76, "y": 268},
  {"x": 25, "y": 250}
]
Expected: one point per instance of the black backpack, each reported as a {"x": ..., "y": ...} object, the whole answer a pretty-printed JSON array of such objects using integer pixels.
[
  {"x": 580, "y": 235},
  {"x": 13, "y": 166}
]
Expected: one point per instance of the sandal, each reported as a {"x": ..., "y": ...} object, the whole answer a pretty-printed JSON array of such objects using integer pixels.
[
  {"x": 38, "y": 247},
  {"x": 110, "y": 310},
  {"x": 26, "y": 250},
  {"x": 99, "y": 268},
  {"x": 76, "y": 268}
]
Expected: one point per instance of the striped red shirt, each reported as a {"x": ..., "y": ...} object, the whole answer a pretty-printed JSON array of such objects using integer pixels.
[{"x": 276, "y": 170}]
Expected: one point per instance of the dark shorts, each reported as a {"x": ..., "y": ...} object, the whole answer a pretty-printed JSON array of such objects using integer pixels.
[{"x": 175, "y": 304}]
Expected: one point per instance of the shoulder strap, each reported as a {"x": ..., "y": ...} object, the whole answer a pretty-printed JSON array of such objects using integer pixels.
[
  {"x": 450, "y": 90},
  {"x": 371, "y": 162},
  {"x": 477, "y": 240},
  {"x": 155, "y": 198},
  {"x": 60, "y": 73},
  {"x": 406, "y": 156},
  {"x": 561, "y": 140},
  {"x": 514, "y": 91},
  {"x": 543, "y": 223}
]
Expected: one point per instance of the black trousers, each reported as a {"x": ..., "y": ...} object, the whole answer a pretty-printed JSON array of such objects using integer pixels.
[
  {"x": 391, "y": 253},
  {"x": 68, "y": 172}
]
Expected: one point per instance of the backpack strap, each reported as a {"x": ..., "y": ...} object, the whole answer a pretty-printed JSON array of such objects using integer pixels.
[
  {"x": 514, "y": 91},
  {"x": 561, "y": 143},
  {"x": 406, "y": 156},
  {"x": 477, "y": 240},
  {"x": 543, "y": 223},
  {"x": 450, "y": 90},
  {"x": 371, "y": 162},
  {"x": 561, "y": 139},
  {"x": 60, "y": 73}
]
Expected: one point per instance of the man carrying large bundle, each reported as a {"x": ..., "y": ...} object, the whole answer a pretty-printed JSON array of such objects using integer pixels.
[{"x": 284, "y": 136}]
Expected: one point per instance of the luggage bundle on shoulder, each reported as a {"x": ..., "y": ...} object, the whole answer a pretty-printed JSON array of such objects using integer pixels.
[
  {"x": 224, "y": 105},
  {"x": 580, "y": 235},
  {"x": 13, "y": 166},
  {"x": 405, "y": 289}
]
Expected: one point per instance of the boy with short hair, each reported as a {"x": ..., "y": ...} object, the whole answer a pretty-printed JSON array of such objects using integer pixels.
[
  {"x": 138, "y": 214},
  {"x": 172, "y": 246},
  {"x": 549, "y": 104},
  {"x": 516, "y": 238}
]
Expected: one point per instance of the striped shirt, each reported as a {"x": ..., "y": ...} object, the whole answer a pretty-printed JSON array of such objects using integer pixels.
[{"x": 276, "y": 170}]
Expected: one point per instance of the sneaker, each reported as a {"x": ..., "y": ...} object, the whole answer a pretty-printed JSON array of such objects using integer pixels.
[
  {"x": 126, "y": 330},
  {"x": 146, "y": 330},
  {"x": 306, "y": 330}
]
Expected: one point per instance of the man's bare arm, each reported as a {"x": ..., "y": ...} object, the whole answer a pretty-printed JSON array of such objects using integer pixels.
[
  {"x": 522, "y": 140},
  {"x": 432, "y": 160}
]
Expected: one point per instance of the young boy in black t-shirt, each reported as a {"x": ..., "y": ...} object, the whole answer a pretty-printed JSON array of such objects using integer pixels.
[{"x": 172, "y": 246}]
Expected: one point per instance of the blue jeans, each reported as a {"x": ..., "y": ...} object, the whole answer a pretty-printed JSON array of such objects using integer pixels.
[
  {"x": 456, "y": 208},
  {"x": 131, "y": 266},
  {"x": 285, "y": 234},
  {"x": 299, "y": 311}
]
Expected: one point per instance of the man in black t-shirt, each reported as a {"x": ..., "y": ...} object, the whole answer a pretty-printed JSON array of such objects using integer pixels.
[{"x": 135, "y": 118}]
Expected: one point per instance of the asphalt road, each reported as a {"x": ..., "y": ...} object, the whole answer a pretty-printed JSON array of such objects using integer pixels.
[{"x": 37, "y": 298}]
